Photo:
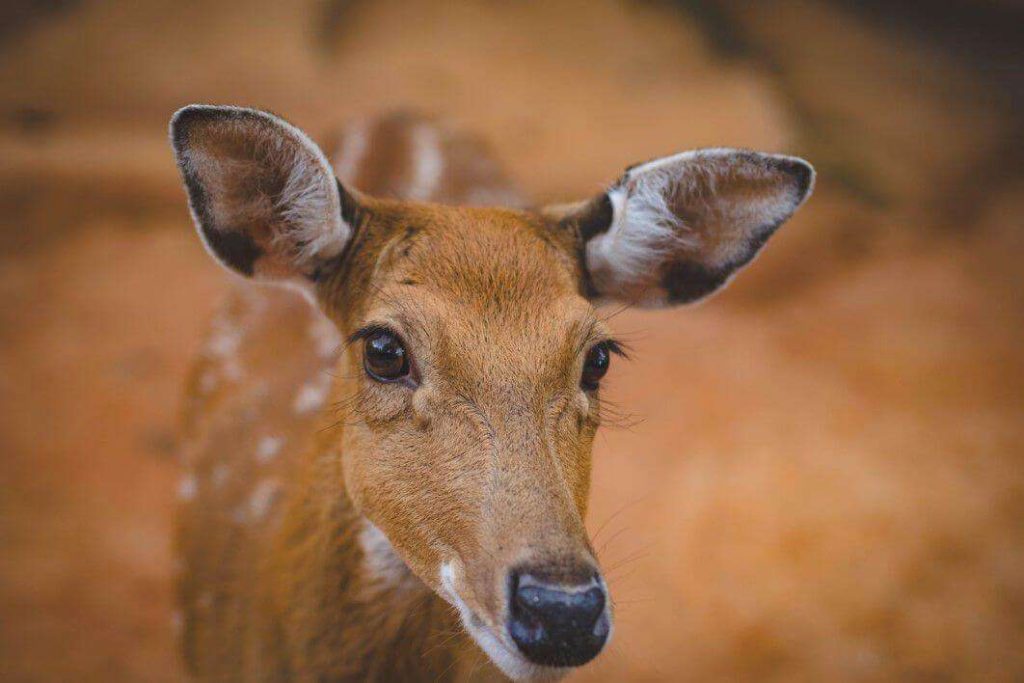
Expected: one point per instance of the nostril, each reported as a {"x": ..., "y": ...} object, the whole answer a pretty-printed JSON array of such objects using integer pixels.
[{"x": 557, "y": 624}]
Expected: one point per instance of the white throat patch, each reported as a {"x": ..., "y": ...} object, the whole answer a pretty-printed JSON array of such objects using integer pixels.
[{"x": 382, "y": 562}]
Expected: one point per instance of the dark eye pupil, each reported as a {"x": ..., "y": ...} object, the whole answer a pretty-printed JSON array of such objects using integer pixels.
[
  {"x": 595, "y": 366},
  {"x": 385, "y": 357}
]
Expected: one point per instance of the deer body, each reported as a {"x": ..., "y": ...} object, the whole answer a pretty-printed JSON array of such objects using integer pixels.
[{"x": 390, "y": 484}]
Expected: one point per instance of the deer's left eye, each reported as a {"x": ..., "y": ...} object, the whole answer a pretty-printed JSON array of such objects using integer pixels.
[
  {"x": 384, "y": 356},
  {"x": 595, "y": 366}
]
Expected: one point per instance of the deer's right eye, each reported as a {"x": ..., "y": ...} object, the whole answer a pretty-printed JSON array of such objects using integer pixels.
[
  {"x": 595, "y": 365},
  {"x": 384, "y": 356}
]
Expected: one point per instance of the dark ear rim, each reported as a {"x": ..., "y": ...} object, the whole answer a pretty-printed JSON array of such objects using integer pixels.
[{"x": 236, "y": 250}]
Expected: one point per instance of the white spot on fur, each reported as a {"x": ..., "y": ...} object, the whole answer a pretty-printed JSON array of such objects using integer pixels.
[
  {"x": 187, "y": 488},
  {"x": 352, "y": 151},
  {"x": 263, "y": 497},
  {"x": 225, "y": 339},
  {"x": 268, "y": 447},
  {"x": 312, "y": 394},
  {"x": 223, "y": 345},
  {"x": 325, "y": 335},
  {"x": 427, "y": 162},
  {"x": 219, "y": 475},
  {"x": 177, "y": 623}
]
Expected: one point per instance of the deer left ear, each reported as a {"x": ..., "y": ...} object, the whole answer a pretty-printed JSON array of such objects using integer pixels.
[
  {"x": 264, "y": 198},
  {"x": 676, "y": 229}
]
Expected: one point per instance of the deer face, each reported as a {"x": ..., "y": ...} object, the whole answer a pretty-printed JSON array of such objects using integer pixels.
[{"x": 475, "y": 355}]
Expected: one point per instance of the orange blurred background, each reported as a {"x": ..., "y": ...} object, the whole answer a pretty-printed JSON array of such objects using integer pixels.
[{"x": 819, "y": 474}]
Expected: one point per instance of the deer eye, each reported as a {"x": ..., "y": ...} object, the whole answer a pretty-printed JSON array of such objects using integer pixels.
[
  {"x": 595, "y": 366},
  {"x": 384, "y": 356}
]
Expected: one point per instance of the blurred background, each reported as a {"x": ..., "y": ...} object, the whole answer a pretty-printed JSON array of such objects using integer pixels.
[{"x": 819, "y": 475}]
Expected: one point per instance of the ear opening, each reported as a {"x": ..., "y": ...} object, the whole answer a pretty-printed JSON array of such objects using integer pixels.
[
  {"x": 263, "y": 196},
  {"x": 674, "y": 230}
]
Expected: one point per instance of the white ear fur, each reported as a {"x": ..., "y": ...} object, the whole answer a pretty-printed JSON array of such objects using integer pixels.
[
  {"x": 643, "y": 227},
  {"x": 311, "y": 205},
  {"x": 698, "y": 215},
  {"x": 263, "y": 196}
]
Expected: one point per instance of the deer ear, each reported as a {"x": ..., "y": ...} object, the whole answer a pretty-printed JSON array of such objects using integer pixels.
[
  {"x": 674, "y": 230},
  {"x": 263, "y": 196}
]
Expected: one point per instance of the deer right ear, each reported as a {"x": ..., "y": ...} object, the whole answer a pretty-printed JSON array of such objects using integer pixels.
[
  {"x": 263, "y": 196},
  {"x": 676, "y": 229}
]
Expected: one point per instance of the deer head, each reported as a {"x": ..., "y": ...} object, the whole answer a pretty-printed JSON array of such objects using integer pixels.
[{"x": 475, "y": 352}]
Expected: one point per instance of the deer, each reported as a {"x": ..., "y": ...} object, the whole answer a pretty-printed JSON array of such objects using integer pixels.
[{"x": 388, "y": 455}]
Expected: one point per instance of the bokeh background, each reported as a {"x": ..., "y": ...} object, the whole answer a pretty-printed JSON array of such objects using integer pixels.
[{"x": 818, "y": 475}]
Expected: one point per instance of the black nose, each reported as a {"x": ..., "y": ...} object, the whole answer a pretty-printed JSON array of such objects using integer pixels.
[{"x": 556, "y": 624}]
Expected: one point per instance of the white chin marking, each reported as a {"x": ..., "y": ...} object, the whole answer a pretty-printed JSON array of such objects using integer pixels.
[{"x": 501, "y": 651}]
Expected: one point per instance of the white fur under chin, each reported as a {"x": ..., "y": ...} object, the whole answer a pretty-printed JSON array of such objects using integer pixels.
[{"x": 502, "y": 653}]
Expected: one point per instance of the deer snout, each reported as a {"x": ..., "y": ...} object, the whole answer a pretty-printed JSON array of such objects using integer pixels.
[{"x": 555, "y": 622}]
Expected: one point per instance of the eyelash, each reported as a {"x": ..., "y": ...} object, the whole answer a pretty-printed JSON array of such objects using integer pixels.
[
  {"x": 615, "y": 347},
  {"x": 368, "y": 331}
]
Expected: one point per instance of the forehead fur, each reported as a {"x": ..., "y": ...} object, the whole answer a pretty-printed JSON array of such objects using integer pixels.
[{"x": 484, "y": 260}]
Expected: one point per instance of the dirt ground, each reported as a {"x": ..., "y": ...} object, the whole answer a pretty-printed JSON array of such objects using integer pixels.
[{"x": 819, "y": 473}]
